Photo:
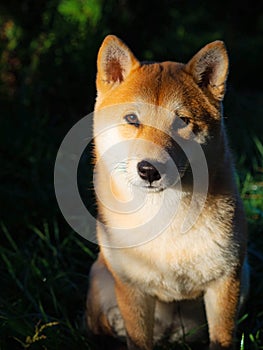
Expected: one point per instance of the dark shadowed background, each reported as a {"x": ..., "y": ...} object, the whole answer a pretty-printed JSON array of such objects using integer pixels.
[{"x": 47, "y": 83}]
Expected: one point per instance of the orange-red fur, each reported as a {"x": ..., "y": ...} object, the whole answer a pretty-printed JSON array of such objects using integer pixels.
[{"x": 135, "y": 292}]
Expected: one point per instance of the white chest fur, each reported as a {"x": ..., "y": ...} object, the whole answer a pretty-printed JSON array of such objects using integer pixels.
[{"x": 173, "y": 265}]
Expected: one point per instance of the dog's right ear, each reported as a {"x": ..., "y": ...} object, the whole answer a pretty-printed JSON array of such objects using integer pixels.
[{"x": 115, "y": 62}]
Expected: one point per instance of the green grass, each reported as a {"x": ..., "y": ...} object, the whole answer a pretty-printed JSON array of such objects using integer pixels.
[
  {"x": 43, "y": 283},
  {"x": 252, "y": 324}
]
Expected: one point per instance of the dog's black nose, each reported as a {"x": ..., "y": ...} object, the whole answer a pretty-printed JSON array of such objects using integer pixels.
[{"x": 148, "y": 172}]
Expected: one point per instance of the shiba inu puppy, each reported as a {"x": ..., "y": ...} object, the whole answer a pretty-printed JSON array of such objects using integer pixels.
[{"x": 171, "y": 225}]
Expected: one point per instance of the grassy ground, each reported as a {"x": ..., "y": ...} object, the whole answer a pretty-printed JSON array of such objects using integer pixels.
[{"x": 44, "y": 264}]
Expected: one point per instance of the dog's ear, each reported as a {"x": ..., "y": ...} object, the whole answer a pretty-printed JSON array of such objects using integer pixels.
[
  {"x": 115, "y": 62},
  {"x": 209, "y": 68}
]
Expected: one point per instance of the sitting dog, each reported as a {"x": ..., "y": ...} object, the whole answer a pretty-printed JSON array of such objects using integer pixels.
[{"x": 171, "y": 225}]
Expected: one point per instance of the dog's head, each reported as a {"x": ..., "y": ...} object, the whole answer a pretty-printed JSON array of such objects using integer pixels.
[{"x": 152, "y": 118}]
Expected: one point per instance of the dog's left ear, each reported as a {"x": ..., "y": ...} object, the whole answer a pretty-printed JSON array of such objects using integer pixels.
[
  {"x": 209, "y": 68},
  {"x": 115, "y": 62}
]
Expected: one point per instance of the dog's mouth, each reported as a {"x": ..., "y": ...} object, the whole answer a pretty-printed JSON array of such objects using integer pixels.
[{"x": 153, "y": 189}]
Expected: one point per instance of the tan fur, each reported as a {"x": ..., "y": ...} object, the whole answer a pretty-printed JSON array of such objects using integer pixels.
[{"x": 146, "y": 291}]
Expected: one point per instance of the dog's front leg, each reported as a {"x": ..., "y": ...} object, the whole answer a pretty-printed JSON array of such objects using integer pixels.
[
  {"x": 137, "y": 310},
  {"x": 221, "y": 301}
]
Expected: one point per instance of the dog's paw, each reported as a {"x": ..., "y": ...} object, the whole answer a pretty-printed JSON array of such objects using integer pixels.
[{"x": 116, "y": 322}]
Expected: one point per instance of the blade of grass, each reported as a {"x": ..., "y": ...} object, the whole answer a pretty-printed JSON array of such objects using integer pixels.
[
  {"x": 9, "y": 237},
  {"x": 85, "y": 249}
]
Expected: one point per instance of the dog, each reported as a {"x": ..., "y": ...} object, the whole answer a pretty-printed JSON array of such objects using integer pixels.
[{"x": 171, "y": 227}]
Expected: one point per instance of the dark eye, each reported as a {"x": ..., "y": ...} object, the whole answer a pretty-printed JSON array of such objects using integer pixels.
[
  {"x": 132, "y": 119},
  {"x": 185, "y": 120}
]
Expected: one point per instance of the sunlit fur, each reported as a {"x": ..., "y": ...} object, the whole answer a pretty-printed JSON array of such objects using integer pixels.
[{"x": 172, "y": 282}]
